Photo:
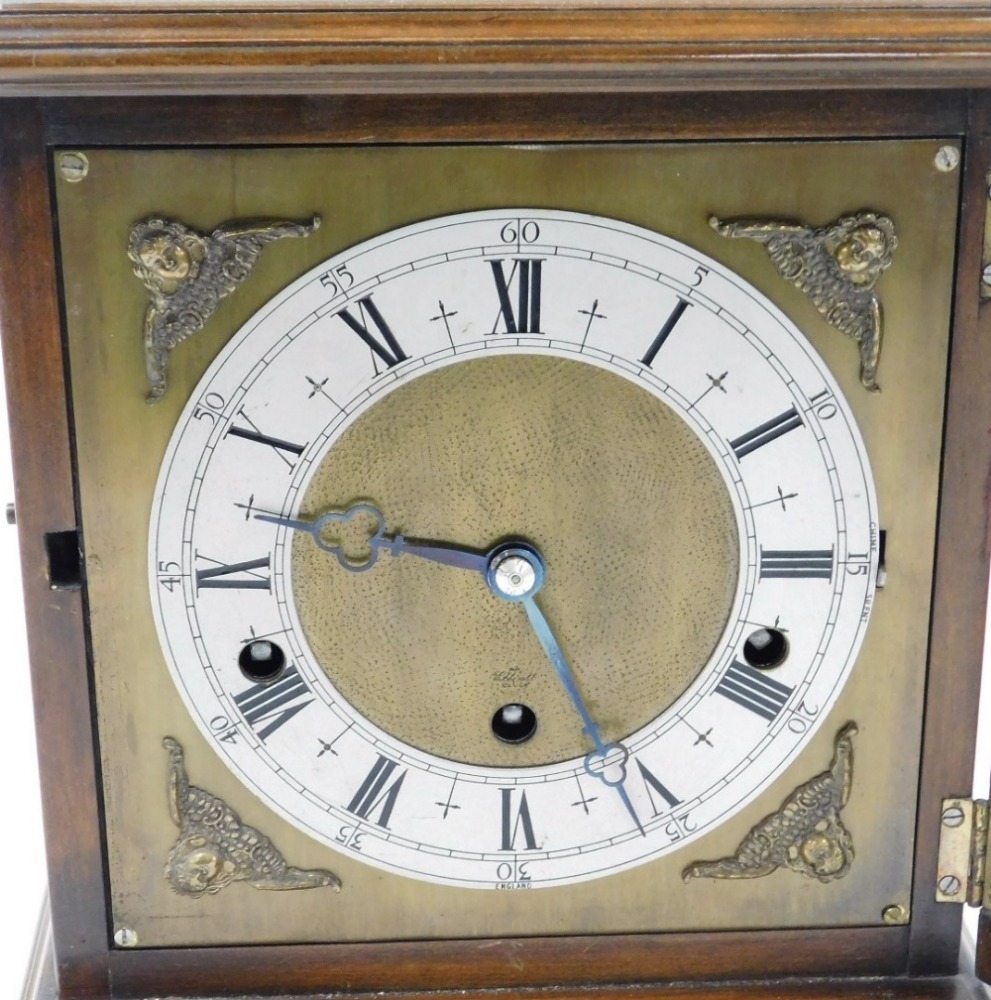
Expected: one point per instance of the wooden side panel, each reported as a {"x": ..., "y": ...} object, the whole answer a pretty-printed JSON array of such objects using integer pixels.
[
  {"x": 982, "y": 168},
  {"x": 983, "y": 952},
  {"x": 963, "y": 551},
  {"x": 32, "y": 351}
]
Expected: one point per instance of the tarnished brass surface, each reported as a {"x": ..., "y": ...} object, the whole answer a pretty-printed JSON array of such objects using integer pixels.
[
  {"x": 806, "y": 834},
  {"x": 187, "y": 274},
  {"x": 360, "y": 192},
  {"x": 431, "y": 655},
  {"x": 215, "y": 848},
  {"x": 837, "y": 266}
]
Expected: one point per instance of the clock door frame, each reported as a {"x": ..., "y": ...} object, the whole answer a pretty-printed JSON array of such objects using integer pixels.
[{"x": 915, "y": 959}]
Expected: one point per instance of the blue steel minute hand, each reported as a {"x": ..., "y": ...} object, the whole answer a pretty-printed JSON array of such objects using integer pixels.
[{"x": 607, "y": 761}]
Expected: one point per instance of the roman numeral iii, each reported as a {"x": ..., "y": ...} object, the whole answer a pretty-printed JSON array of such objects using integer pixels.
[{"x": 796, "y": 564}]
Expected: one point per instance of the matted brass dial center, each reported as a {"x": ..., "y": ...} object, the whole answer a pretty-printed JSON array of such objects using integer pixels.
[{"x": 634, "y": 524}]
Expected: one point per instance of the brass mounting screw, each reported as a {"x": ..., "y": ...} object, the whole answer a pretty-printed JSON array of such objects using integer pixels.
[
  {"x": 125, "y": 937},
  {"x": 947, "y": 159},
  {"x": 73, "y": 166}
]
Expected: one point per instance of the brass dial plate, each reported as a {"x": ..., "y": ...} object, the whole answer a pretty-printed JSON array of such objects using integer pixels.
[{"x": 671, "y": 188}]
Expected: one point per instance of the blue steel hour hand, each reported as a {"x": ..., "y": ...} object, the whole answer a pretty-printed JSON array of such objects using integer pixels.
[{"x": 335, "y": 524}]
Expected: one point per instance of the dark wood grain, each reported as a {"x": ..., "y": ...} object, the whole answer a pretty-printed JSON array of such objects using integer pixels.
[
  {"x": 961, "y": 575},
  {"x": 983, "y": 947},
  {"x": 403, "y": 49},
  {"x": 515, "y": 963},
  {"x": 43, "y": 480},
  {"x": 502, "y": 118},
  {"x": 980, "y": 316}
]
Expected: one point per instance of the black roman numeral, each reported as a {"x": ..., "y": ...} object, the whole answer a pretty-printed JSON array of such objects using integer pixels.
[
  {"x": 669, "y": 324},
  {"x": 385, "y": 344},
  {"x": 271, "y": 706},
  {"x": 652, "y": 782},
  {"x": 766, "y": 432},
  {"x": 236, "y": 576},
  {"x": 526, "y": 317},
  {"x": 376, "y": 792},
  {"x": 512, "y": 824},
  {"x": 796, "y": 564},
  {"x": 754, "y": 690},
  {"x": 251, "y": 433}
]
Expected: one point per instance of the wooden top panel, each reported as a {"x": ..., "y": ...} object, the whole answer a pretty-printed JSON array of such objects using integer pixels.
[{"x": 71, "y": 48}]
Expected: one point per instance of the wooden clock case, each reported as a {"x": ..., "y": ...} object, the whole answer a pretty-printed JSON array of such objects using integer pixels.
[{"x": 303, "y": 76}]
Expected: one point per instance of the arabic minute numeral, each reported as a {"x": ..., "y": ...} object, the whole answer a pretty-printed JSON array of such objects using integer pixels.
[
  {"x": 823, "y": 405},
  {"x": 210, "y": 407},
  {"x": 169, "y": 575},
  {"x": 337, "y": 280},
  {"x": 520, "y": 231}
]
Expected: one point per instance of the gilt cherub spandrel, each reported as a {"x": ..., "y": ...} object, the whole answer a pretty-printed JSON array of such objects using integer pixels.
[
  {"x": 806, "y": 834},
  {"x": 187, "y": 273},
  {"x": 215, "y": 848},
  {"x": 837, "y": 266}
]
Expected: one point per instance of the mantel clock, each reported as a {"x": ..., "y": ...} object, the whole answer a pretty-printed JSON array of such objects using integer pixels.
[{"x": 495, "y": 519}]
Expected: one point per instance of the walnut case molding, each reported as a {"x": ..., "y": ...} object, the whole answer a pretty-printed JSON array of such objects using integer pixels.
[{"x": 379, "y": 118}]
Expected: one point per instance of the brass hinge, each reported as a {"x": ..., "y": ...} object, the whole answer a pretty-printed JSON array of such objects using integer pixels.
[{"x": 963, "y": 853}]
